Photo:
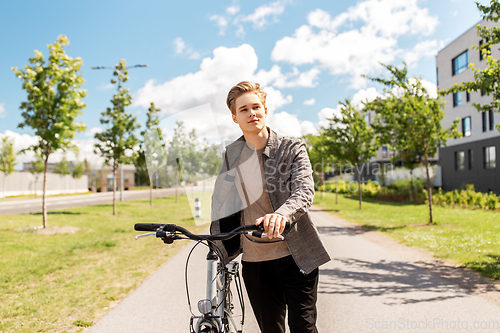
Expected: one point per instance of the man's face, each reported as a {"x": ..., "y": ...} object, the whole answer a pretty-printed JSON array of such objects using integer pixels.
[{"x": 250, "y": 113}]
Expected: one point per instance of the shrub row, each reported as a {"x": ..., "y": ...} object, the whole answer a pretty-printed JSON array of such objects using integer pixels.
[
  {"x": 466, "y": 199},
  {"x": 399, "y": 192}
]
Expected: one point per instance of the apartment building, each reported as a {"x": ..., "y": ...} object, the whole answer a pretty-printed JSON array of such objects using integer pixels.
[{"x": 472, "y": 158}]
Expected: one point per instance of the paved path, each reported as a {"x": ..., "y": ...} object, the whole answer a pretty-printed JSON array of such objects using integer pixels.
[
  {"x": 54, "y": 203},
  {"x": 372, "y": 284}
]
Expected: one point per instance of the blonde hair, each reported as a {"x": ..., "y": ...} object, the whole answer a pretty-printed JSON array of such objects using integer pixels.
[{"x": 242, "y": 88}]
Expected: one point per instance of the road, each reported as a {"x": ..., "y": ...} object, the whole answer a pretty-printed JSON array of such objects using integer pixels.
[
  {"x": 372, "y": 284},
  {"x": 54, "y": 203}
]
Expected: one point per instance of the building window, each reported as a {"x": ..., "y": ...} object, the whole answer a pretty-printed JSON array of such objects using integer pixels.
[
  {"x": 459, "y": 160},
  {"x": 466, "y": 126},
  {"x": 490, "y": 115},
  {"x": 460, "y": 63},
  {"x": 384, "y": 151},
  {"x": 489, "y": 157},
  {"x": 471, "y": 159},
  {"x": 485, "y": 122},
  {"x": 481, "y": 55},
  {"x": 457, "y": 98},
  {"x": 482, "y": 92},
  {"x": 437, "y": 77},
  {"x": 468, "y": 96}
]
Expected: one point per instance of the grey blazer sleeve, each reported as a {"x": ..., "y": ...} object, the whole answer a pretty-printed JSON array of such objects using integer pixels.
[{"x": 302, "y": 186}]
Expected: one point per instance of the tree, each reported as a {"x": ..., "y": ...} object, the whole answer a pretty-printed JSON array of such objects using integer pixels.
[
  {"x": 316, "y": 150},
  {"x": 78, "y": 170},
  {"x": 151, "y": 155},
  {"x": 7, "y": 158},
  {"x": 62, "y": 168},
  {"x": 37, "y": 167},
  {"x": 118, "y": 138},
  {"x": 486, "y": 80},
  {"x": 54, "y": 92},
  {"x": 177, "y": 148},
  {"x": 409, "y": 119},
  {"x": 350, "y": 139}
]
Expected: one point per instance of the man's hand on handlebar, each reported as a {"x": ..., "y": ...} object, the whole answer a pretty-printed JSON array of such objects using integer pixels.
[{"x": 274, "y": 224}]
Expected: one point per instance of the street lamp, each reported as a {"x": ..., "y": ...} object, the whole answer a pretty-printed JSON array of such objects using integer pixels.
[{"x": 121, "y": 165}]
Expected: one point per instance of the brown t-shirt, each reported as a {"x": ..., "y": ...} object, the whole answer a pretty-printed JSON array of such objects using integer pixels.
[{"x": 252, "y": 171}]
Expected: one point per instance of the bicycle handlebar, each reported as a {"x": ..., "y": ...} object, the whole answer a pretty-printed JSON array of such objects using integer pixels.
[{"x": 168, "y": 231}]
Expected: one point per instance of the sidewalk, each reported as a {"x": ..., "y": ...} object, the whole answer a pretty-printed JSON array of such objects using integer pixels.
[{"x": 371, "y": 284}]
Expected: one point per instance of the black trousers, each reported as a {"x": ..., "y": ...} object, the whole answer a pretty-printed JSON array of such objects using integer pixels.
[{"x": 273, "y": 286}]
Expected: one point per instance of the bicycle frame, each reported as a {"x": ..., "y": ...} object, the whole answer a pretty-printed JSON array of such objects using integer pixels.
[
  {"x": 217, "y": 308},
  {"x": 218, "y": 284}
]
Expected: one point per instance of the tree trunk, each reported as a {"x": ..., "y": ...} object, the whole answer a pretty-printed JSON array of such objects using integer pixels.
[
  {"x": 359, "y": 186},
  {"x": 323, "y": 185},
  {"x": 429, "y": 190},
  {"x": 36, "y": 181},
  {"x": 44, "y": 206},
  {"x": 150, "y": 191},
  {"x": 410, "y": 185},
  {"x": 337, "y": 191},
  {"x": 114, "y": 190}
]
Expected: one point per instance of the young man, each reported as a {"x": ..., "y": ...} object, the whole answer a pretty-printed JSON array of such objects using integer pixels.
[{"x": 267, "y": 179}]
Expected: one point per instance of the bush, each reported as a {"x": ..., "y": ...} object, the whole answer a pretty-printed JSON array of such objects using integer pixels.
[{"x": 492, "y": 201}]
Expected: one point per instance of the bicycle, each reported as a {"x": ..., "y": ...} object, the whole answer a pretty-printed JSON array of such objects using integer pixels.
[{"x": 217, "y": 309}]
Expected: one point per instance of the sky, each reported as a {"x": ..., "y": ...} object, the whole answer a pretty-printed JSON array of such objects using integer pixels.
[{"x": 307, "y": 55}]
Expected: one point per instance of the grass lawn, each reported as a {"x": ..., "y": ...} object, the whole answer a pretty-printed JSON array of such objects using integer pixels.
[
  {"x": 65, "y": 282},
  {"x": 470, "y": 238}
]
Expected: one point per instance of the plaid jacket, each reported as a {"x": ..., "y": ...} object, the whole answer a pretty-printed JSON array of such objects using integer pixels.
[{"x": 289, "y": 183}]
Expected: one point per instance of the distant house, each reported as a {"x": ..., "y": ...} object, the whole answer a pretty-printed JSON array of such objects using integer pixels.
[{"x": 101, "y": 180}]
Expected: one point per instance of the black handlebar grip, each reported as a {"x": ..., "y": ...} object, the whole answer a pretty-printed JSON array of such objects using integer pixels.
[{"x": 147, "y": 226}]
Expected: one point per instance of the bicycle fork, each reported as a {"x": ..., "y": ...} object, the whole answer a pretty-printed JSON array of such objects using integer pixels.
[{"x": 212, "y": 308}]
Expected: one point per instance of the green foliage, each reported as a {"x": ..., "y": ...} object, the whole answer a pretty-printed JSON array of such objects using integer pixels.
[
  {"x": 62, "y": 168},
  {"x": 467, "y": 199},
  {"x": 7, "y": 156},
  {"x": 78, "y": 170},
  {"x": 54, "y": 92},
  {"x": 486, "y": 79},
  {"x": 350, "y": 139},
  {"x": 37, "y": 165},
  {"x": 403, "y": 185},
  {"x": 409, "y": 120},
  {"x": 118, "y": 137},
  {"x": 83, "y": 323},
  {"x": 152, "y": 154}
]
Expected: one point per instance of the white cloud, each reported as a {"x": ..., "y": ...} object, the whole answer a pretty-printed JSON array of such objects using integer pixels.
[
  {"x": 354, "y": 42},
  {"x": 288, "y": 80},
  {"x": 221, "y": 22},
  {"x": 263, "y": 14},
  {"x": 182, "y": 49},
  {"x": 91, "y": 132},
  {"x": 105, "y": 86},
  {"x": 2, "y": 110},
  {"x": 311, "y": 101},
  {"x": 364, "y": 95},
  {"x": 289, "y": 125},
  {"x": 23, "y": 141},
  {"x": 262, "y": 17},
  {"x": 211, "y": 84},
  {"x": 327, "y": 113},
  {"x": 426, "y": 48},
  {"x": 232, "y": 10}
]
